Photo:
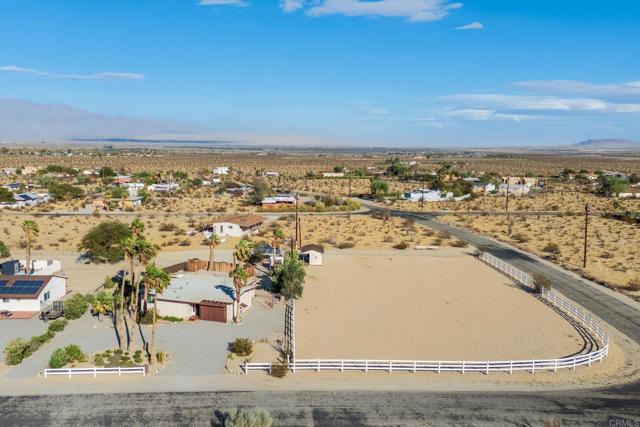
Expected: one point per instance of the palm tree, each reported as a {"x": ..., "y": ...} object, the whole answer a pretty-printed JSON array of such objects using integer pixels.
[
  {"x": 157, "y": 279},
  {"x": 143, "y": 252},
  {"x": 278, "y": 239},
  {"x": 243, "y": 251},
  {"x": 146, "y": 253},
  {"x": 239, "y": 276},
  {"x": 31, "y": 231},
  {"x": 129, "y": 248},
  {"x": 125, "y": 247},
  {"x": 137, "y": 228},
  {"x": 212, "y": 241}
]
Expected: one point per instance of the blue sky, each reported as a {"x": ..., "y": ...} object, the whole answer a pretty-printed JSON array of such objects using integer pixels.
[{"x": 391, "y": 72}]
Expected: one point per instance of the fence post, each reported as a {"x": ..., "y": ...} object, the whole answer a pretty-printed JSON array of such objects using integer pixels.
[
  {"x": 45, "y": 373},
  {"x": 463, "y": 367},
  {"x": 415, "y": 362},
  {"x": 510, "y": 367},
  {"x": 119, "y": 371},
  {"x": 270, "y": 368},
  {"x": 342, "y": 365},
  {"x": 533, "y": 366},
  {"x": 366, "y": 365},
  {"x": 487, "y": 368},
  {"x": 439, "y": 365},
  {"x": 318, "y": 370},
  {"x": 69, "y": 370},
  {"x": 555, "y": 365},
  {"x": 95, "y": 372},
  {"x": 390, "y": 366},
  {"x": 574, "y": 363}
]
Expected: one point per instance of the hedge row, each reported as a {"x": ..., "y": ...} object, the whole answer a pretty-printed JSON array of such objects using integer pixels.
[{"x": 19, "y": 349}]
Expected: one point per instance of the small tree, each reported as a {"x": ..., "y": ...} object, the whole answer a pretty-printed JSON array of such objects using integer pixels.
[
  {"x": 241, "y": 347},
  {"x": 4, "y": 250},
  {"x": 103, "y": 303},
  {"x": 102, "y": 242},
  {"x": 15, "y": 351},
  {"x": 243, "y": 251},
  {"x": 58, "y": 358},
  {"x": 288, "y": 277},
  {"x": 379, "y": 186},
  {"x": 75, "y": 306}
]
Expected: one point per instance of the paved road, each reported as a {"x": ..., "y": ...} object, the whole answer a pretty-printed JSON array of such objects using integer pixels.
[{"x": 330, "y": 409}]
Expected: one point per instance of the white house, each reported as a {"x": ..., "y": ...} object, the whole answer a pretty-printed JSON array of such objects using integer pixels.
[
  {"x": 515, "y": 190},
  {"x": 42, "y": 267},
  {"x": 233, "y": 225},
  {"x": 427, "y": 195},
  {"x": 483, "y": 187},
  {"x": 164, "y": 188},
  {"x": 205, "y": 295},
  {"x": 312, "y": 254},
  {"x": 221, "y": 170},
  {"x": 30, "y": 293},
  {"x": 332, "y": 174},
  {"x": 271, "y": 174}
]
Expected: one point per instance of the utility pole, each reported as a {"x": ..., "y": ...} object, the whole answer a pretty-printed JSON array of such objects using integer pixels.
[
  {"x": 586, "y": 228},
  {"x": 506, "y": 206},
  {"x": 297, "y": 219},
  {"x": 349, "y": 199}
]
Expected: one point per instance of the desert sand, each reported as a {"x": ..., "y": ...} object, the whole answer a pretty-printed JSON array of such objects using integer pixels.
[{"x": 437, "y": 306}]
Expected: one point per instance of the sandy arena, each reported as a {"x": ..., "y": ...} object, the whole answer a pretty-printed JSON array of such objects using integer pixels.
[{"x": 443, "y": 305}]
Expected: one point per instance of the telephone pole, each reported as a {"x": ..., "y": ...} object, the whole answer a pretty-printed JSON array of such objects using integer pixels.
[
  {"x": 297, "y": 219},
  {"x": 586, "y": 228},
  {"x": 506, "y": 206}
]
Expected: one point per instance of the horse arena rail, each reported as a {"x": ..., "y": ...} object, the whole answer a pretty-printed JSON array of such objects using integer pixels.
[
  {"x": 510, "y": 366},
  {"x": 95, "y": 371}
]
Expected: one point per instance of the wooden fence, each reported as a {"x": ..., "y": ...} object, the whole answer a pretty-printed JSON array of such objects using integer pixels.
[
  {"x": 195, "y": 264},
  {"x": 137, "y": 370},
  {"x": 486, "y": 367}
]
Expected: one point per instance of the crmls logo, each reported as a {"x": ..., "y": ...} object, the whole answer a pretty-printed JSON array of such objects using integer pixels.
[{"x": 619, "y": 422}]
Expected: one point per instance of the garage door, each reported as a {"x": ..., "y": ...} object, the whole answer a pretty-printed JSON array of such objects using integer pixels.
[{"x": 215, "y": 312}]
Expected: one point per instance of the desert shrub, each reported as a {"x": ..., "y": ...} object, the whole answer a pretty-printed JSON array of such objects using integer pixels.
[
  {"x": 279, "y": 370},
  {"x": 241, "y": 347},
  {"x": 444, "y": 235},
  {"x": 41, "y": 339},
  {"x": 520, "y": 238},
  {"x": 15, "y": 351},
  {"x": 552, "y": 248},
  {"x": 245, "y": 418},
  {"x": 58, "y": 358},
  {"x": 634, "y": 285},
  {"x": 541, "y": 281},
  {"x": 75, "y": 306},
  {"x": 345, "y": 245},
  {"x": 401, "y": 245},
  {"x": 98, "y": 360},
  {"x": 459, "y": 244},
  {"x": 57, "y": 325},
  {"x": 161, "y": 356}
]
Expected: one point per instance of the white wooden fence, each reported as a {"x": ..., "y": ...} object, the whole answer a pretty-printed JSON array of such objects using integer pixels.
[
  {"x": 464, "y": 366},
  {"x": 95, "y": 371}
]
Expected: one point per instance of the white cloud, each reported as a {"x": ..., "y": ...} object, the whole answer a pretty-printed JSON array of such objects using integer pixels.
[
  {"x": 576, "y": 86},
  {"x": 97, "y": 76},
  {"x": 551, "y": 103},
  {"x": 289, "y": 6},
  {"x": 472, "y": 26},
  {"x": 486, "y": 115},
  {"x": 238, "y": 3},
  {"x": 412, "y": 10}
]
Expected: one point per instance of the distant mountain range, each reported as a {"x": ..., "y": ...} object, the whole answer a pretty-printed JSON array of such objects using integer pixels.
[
  {"x": 609, "y": 144},
  {"x": 25, "y": 120}
]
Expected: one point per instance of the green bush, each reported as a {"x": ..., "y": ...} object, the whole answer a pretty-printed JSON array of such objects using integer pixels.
[
  {"x": 345, "y": 245},
  {"x": 241, "y": 347},
  {"x": 15, "y": 350},
  {"x": 74, "y": 353},
  {"x": 57, "y": 325},
  {"x": 4, "y": 250},
  {"x": 75, "y": 306},
  {"x": 98, "y": 361},
  {"x": 58, "y": 358}
]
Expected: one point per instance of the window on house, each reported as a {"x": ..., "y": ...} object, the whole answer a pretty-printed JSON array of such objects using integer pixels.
[
  {"x": 5, "y": 299},
  {"x": 47, "y": 295}
]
